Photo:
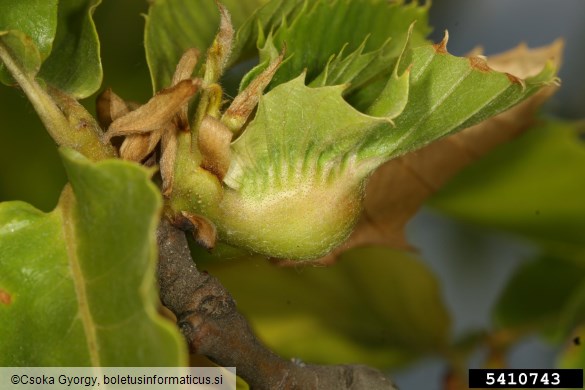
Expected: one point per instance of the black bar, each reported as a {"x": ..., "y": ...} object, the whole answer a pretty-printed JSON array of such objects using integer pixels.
[{"x": 525, "y": 379}]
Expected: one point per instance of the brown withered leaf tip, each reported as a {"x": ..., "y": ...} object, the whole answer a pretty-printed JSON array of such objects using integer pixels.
[
  {"x": 514, "y": 80},
  {"x": 441, "y": 47},
  {"x": 479, "y": 63}
]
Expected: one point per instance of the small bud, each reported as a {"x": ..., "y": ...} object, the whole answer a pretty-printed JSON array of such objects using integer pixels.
[
  {"x": 137, "y": 146},
  {"x": 204, "y": 231},
  {"x": 167, "y": 160},
  {"x": 186, "y": 66},
  {"x": 109, "y": 107},
  {"x": 214, "y": 141},
  {"x": 221, "y": 48},
  {"x": 238, "y": 112}
]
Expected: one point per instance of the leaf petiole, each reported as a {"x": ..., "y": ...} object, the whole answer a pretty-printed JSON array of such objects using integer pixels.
[{"x": 65, "y": 132}]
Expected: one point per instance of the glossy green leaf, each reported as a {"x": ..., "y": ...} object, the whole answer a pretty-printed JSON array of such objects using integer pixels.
[
  {"x": 74, "y": 65},
  {"x": 262, "y": 20},
  {"x": 307, "y": 145},
  {"x": 77, "y": 284},
  {"x": 302, "y": 133},
  {"x": 36, "y": 20},
  {"x": 371, "y": 32},
  {"x": 173, "y": 26},
  {"x": 449, "y": 93},
  {"x": 297, "y": 133},
  {"x": 342, "y": 69},
  {"x": 534, "y": 186},
  {"x": 375, "y": 306},
  {"x": 547, "y": 294}
]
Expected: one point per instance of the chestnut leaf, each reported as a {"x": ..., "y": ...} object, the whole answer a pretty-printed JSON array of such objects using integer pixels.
[
  {"x": 56, "y": 267},
  {"x": 57, "y": 40}
]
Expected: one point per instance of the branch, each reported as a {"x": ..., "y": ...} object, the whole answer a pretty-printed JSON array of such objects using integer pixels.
[{"x": 207, "y": 316}]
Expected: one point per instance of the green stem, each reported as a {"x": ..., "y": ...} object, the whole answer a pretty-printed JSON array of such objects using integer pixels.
[{"x": 65, "y": 130}]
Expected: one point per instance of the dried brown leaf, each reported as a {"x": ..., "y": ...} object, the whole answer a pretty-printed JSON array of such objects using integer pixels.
[
  {"x": 137, "y": 146},
  {"x": 524, "y": 62},
  {"x": 183, "y": 71},
  {"x": 157, "y": 112},
  {"x": 398, "y": 188},
  {"x": 186, "y": 66}
]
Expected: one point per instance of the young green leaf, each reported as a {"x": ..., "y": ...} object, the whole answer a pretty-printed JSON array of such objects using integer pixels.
[
  {"x": 74, "y": 65},
  {"x": 57, "y": 37},
  {"x": 317, "y": 34},
  {"x": 307, "y": 146},
  {"x": 397, "y": 189},
  {"x": 265, "y": 18},
  {"x": 174, "y": 26},
  {"x": 77, "y": 284},
  {"x": 448, "y": 93},
  {"x": 68, "y": 123},
  {"x": 377, "y": 306}
]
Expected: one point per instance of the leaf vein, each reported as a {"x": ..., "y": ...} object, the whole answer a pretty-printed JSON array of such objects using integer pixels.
[{"x": 78, "y": 279}]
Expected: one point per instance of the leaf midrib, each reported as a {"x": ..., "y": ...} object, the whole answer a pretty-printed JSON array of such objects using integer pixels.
[{"x": 67, "y": 205}]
